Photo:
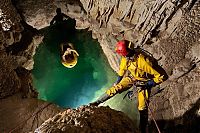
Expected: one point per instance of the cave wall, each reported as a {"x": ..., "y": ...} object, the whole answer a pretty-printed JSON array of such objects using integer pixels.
[
  {"x": 9, "y": 33},
  {"x": 17, "y": 47},
  {"x": 168, "y": 29},
  {"x": 20, "y": 111}
]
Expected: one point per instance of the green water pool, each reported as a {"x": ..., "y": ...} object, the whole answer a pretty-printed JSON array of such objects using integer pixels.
[
  {"x": 75, "y": 86},
  {"x": 81, "y": 84}
]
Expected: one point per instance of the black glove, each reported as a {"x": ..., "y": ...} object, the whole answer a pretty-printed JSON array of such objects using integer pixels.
[
  {"x": 119, "y": 78},
  {"x": 101, "y": 99},
  {"x": 96, "y": 103},
  {"x": 150, "y": 83},
  {"x": 51, "y": 23}
]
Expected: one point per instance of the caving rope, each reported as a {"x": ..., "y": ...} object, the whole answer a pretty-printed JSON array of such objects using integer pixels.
[
  {"x": 130, "y": 94},
  {"x": 151, "y": 113}
]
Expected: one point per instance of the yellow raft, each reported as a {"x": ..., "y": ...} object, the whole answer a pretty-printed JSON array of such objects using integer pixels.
[{"x": 69, "y": 56}]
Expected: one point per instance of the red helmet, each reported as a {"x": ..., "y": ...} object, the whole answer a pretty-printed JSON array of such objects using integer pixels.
[{"x": 121, "y": 48}]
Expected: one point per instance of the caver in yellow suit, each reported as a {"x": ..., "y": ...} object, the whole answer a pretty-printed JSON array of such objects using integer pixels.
[{"x": 140, "y": 69}]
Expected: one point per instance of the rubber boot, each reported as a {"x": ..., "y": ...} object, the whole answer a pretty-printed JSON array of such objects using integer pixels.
[
  {"x": 143, "y": 121},
  {"x": 102, "y": 99}
]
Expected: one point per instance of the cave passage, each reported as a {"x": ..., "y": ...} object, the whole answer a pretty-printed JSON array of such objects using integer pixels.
[{"x": 72, "y": 87}]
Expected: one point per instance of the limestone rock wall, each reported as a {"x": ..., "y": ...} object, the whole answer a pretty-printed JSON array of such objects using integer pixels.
[
  {"x": 181, "y": 96},
  {"x": 18, "y": 42},
  {"x": 142, "y": 22},
  {"x": 182, "y": 63},
  {"x": 168, "y": 29},
  {"x": 10, "y": 29},
  {"x": 39, "y": 13}
]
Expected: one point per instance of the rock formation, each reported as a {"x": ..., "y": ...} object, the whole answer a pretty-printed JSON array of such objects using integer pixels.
[
  {"x": 88, "y": 119},
  {"x": 24, "y": 115},
  {"x": 18, "y": 42},
  {"x": 167, "y": 28}
]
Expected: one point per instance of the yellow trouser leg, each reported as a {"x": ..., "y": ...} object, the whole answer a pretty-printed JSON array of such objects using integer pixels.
[
  {"x": 123, "y": 85},
  {"x": 142, "y": 96}
]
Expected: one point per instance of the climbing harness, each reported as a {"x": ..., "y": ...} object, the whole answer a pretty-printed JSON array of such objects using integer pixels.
[
  {"x": 131, "y": 93},
  {"x": 134, "y": 89},
  {"x": 152, "y": 115}
]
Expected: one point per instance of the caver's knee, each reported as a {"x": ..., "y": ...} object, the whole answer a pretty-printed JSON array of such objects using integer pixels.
[
  {"x": 142, "y": 100},
  {"x": 142, "y": 106}
]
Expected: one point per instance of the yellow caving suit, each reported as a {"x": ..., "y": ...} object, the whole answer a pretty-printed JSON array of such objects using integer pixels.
[{"x": 139, "y": 68}]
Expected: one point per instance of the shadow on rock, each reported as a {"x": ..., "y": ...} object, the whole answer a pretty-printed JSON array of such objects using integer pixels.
[{"x": 188, "y": 123}]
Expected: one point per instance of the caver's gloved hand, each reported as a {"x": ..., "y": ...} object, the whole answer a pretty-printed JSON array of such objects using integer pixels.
[
  {"x": 95, "y": 103},
  {"x": 150, "y": 83}
]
